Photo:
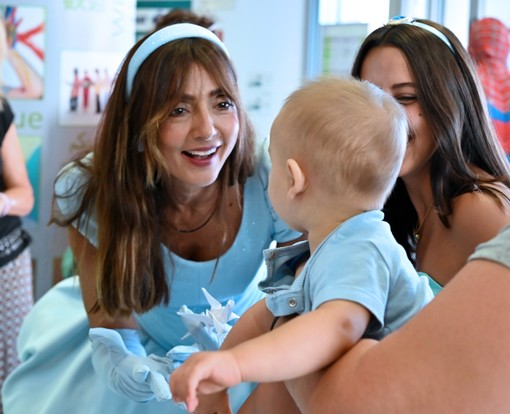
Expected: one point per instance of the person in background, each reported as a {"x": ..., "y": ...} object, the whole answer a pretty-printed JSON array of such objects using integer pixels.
[
  {"x": 172, "y": 199},
  {"x": 489, "y": 46},
  {"x": 352, "y": 125},
  {"x": 454, "y": 185},
  {"x": 16, "y": 200}
]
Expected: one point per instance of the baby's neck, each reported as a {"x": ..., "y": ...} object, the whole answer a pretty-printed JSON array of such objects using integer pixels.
[{"x": 324, "y": 226}]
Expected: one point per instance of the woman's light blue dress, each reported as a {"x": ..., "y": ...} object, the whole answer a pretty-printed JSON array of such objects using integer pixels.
[{"x": 56, "y": 374}]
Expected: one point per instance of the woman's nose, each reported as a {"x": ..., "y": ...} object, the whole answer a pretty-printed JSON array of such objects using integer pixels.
[{"x": 204, "y": 125}]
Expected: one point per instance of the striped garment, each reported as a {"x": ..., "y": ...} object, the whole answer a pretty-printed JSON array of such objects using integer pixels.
[{"x": 489, "y": 46}]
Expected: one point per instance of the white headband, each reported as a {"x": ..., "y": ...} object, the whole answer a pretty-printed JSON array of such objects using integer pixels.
[
  {"x": 412, "y": 21},
  {"x": 163, "y": 36}
]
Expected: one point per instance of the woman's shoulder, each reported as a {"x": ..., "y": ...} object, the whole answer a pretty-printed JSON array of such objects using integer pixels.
[
  {"x": 491, "y": 198},
  {"x": 70, "y": 185},
  {"x": 72, "y": 175},
  {"x": 480, "y": 214}
]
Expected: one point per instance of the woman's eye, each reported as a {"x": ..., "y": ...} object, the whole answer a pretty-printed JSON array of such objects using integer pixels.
[
  {"x": 406, "y": 99},
  {"x": 177, "y": 112},
  {"x": 225, "y": 105}
]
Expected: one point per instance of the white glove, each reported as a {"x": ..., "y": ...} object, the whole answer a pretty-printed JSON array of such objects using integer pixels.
[{"x": 120, "y": 359}]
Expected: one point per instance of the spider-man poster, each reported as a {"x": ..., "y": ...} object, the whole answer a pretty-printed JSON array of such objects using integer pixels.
[{"x": 22, "y": 42}]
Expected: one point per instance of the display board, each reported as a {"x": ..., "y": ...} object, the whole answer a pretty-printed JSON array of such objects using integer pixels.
[{"x": 61, "y": 58}]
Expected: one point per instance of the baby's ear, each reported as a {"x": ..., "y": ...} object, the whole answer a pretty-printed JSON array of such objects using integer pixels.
[{"x": 295, "y": 178}]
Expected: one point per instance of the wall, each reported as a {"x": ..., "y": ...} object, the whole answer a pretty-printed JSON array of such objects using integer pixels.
[
  {"x": 456, "y": 18},
  {"x": 498, "y": 9},
  {"x": 266, "y": 40}
]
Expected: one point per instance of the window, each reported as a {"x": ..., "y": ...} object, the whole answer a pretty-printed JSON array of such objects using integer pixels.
[{"x": 337, "y": 27}]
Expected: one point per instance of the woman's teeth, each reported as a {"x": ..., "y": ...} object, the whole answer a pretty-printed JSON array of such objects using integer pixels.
[{"x": 201, "y": 154}]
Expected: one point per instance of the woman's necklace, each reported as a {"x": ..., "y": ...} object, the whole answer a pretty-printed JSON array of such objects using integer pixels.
[
  {"x": 192, "y": 230},
  {"x": 417, "y": 232},
  {"x": 200, "y": 226}
]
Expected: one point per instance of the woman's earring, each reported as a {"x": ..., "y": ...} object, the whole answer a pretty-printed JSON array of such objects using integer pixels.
[{"x": 140, "y": 146}]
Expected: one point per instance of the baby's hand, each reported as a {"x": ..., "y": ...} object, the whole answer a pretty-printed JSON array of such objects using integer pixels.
[{"x": 204, "y": 373}]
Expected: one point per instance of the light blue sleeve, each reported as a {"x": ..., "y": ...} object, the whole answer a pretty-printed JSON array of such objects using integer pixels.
[
  {"x": 357, "y": 274},
  {"x": 371, "y": 269},
  {"x": 69, "y": 188},
  {"x": 282, "y": 231}
]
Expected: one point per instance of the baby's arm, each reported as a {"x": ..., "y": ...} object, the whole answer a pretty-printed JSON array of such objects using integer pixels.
[
  {"x": 290, "y": 351},
  {"x": 255, "y": 321}
]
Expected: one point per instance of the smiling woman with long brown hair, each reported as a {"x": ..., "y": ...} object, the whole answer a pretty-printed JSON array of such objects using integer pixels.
[{"x": 172, "y": 199}]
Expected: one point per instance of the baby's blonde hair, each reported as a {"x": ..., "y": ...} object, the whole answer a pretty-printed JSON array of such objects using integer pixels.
[{"x": 348, "y": 134}]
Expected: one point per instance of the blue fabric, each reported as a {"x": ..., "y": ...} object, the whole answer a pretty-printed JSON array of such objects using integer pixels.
[
  {"x": 436, "y": 287},
  {"x": 360, "y": 262},
  {"x": 56, "y": 374}
]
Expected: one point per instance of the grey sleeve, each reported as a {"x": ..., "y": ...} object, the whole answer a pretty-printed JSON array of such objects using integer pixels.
[{"x": 496, "y": 249}]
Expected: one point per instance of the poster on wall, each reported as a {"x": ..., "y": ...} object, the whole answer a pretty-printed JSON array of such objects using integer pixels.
[
  {"x": 86, "y": 81},
  {"x": 22, "y": 64},
  {"x": 23, "y": 61}
]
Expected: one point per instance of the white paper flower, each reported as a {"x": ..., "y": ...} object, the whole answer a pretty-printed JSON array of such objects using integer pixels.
[{"x": 208, "y": 328}]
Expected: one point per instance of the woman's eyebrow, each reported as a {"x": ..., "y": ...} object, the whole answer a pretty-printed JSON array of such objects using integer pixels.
[
  {"x": 190, "y": 98},
  {"x": 403, "y": 85}
]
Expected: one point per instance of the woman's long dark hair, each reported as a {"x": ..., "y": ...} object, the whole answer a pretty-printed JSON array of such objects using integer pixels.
[{"x": 454, "y": 106}]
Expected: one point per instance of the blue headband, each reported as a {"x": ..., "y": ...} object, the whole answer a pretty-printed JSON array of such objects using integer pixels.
[
  {"x": 163, "y": 36},
  {"x": 412, "y": 21}
]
